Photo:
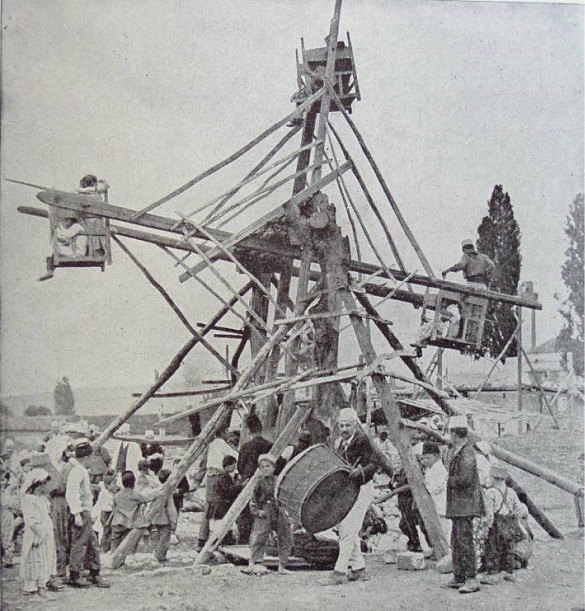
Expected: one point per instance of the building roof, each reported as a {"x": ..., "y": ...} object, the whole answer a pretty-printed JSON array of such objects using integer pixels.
[{"x": 554, "y": 345}]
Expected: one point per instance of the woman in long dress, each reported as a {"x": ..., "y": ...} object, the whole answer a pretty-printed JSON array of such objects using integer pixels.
[{"x": 38, "y": 561}]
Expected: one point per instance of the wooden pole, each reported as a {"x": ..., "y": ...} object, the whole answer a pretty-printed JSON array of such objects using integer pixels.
[
  {"x": 401, "y": 441},
  {"x": 541, "y": 390},
  {"x": 245, "y": 496},
  {"x": 534, "y": 510},
  {"x": 163, "y": 378},
  {"x": 519, "y": 390},
  {"x": 176, "y": 308},
  {"x": 383, "y": 184},
  {"x": 409, "y": 361},
  {"x": 300, "y": 109}
]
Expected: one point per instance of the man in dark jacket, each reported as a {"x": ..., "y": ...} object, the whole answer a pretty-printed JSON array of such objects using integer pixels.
[
  {"x": 355, "y": 448},
  {"x": 464, "y": 502}
]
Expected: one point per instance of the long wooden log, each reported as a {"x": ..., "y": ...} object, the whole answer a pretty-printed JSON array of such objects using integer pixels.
[
  {"x": 183, "y": 393},
  {"x": 383, "y": 184},
  {"x": 78, "y": 203},
  {"x": 534, "y": 510},
  {"x": 163, "y": 378},
  {"x": 531, "y": 467},
  {"x": 410, "y": 362},
  {"x": 195, "y": 450},
  {"x": 401, "y": 441},
  {"x": 295, "y": 200},
  {"x": 283, "y": 250},
  {"x": 245, "y": 496},
  {"x": 277, "y": 147},
  {"x": 299, "y": 110},
  {"x": 175, "y": 308}
]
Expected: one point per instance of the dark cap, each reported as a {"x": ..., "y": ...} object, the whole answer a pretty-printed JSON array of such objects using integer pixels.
[{"x": 430, "y": 447}]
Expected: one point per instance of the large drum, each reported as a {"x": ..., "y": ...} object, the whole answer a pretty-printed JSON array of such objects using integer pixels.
[{"x": 315, "y": 490}]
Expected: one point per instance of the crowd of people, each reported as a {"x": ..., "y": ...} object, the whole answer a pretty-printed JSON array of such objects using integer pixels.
[
  {"x": 73, "y": 502},
  {"x": 66, "y": 503},
  {"x": 481, "y": 517}
]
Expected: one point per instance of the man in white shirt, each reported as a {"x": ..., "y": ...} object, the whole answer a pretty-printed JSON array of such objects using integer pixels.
[
  {"x": 219, "y": 448},
  {"x": 84, "y": 545},
  {"x": 436, "y": 482}
]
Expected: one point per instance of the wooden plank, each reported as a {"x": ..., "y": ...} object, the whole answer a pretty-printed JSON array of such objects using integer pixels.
[
  {"x": 299, "y": 110},
  {"x": 267, "y": 218}
]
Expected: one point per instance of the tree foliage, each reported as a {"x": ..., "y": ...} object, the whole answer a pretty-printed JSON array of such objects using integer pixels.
[
  {"x": 572, "y": 274},
  {"x": 499, "y": 239},
  {"x": 37, "y": 410},
  {"x": 63, "y": 398}
]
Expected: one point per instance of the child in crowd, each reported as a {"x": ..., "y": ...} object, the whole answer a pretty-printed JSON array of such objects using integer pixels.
[
  {"x": 127, "y": 510},
  {"x": 503, "y": 510},
  {"x": 268, "y": 518},
  {"x": 102, "y": 510},
  {"x": 226, "y": 492},
  {"x": 39, "y": 559},
  {"x": 163, "y": 523},
  {"x": 7, "y": 502}
]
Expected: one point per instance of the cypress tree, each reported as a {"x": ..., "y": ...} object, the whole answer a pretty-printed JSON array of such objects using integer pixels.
[{"x": 499, "y": 239}]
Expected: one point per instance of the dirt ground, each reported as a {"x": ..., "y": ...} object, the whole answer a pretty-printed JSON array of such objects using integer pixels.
[{"x": 554, "y": 579}]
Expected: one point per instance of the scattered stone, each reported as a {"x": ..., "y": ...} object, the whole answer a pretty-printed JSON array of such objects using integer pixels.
[
  {"x": 410, "y": 561},
  {"x": 389, "y": 557},
  {"x": 186, "y": 560}
]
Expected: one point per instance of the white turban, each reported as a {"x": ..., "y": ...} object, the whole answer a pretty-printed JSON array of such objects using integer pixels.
[{"x": 348, "y": 414}]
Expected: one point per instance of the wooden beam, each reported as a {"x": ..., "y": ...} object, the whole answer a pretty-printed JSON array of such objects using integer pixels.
[
  {"x": 401, "y": 441},
  {"x": 540, "y": 388},
  {"x": 410, "y": 362},
  {"x": 175, "y": 307},
  {"x": 71, "y": 201},
  {"x": 383, "y": 184},
  {"x": 295, "y": 200},
  {"x": 184, "y": 393},
  {"x": 300, "y": 109},
  {"x": 245, "y": 496},
  {"x": 163, "y": 378},
  {"x": 534, "y": 510}
]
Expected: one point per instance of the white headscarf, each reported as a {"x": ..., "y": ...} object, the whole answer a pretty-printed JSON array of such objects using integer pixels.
[{"x": 32, "y": 477}]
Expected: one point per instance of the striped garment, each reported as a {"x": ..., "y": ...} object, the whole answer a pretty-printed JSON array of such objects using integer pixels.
[{"x": 39, "y": 559}]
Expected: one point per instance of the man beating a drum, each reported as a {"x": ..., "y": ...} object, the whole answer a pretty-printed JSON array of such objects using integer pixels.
[{"x": 355, "y": 448}]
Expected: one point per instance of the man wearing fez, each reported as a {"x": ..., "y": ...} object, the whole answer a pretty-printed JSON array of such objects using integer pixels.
[
  {"x": 464, "y": 502},
  {"x": 355, "y": 448},
  {"x": 84, "y": 545}
]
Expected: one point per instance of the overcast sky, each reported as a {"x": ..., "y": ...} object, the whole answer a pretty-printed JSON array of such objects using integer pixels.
[{"x": 456, "y": 97}]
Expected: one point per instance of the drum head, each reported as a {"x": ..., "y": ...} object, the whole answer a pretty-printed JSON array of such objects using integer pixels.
[{"x": 329, "y": 502}]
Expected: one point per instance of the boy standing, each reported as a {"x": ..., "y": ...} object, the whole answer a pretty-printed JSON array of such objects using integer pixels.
[
  {"x": 268, "y": 517},
  {"x": 163, "y": 523},
  {"x": 126, "y": 512}
]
